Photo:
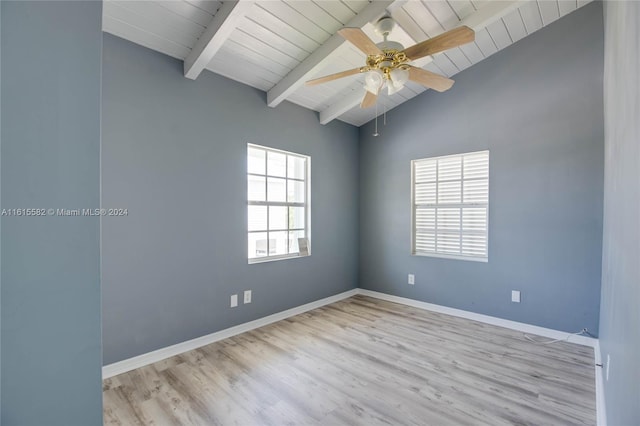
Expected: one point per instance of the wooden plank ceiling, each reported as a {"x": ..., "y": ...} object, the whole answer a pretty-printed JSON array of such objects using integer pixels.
[{"x": 276, "y": 45}]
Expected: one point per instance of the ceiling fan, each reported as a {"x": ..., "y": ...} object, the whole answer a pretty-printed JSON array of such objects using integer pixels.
[{"x": 387, "y": 62}]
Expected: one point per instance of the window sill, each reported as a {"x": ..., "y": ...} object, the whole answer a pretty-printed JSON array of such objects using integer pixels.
[
  {"x": 453, "y": 257},
  {"x": 274, "y": 258}
]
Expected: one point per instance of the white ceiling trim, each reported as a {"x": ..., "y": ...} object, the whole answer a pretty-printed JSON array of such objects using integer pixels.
[
  {"x": 489, "y": 13},
  {"x": 345, "y": 104},
  {"x": 297, "y": 76},
  {"x": 217, "y": 32}
]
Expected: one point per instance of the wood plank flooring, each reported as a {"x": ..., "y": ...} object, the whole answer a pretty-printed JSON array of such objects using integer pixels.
[{"x": 362, "y": 361}]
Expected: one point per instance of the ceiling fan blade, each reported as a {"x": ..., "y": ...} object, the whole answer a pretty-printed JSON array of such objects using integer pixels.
[
  {"x": 332, "y": 77},
  {"x": 431, "y": 80},
  {"x": 448, "y": 40},
  {"x": 369, "y": 100},
  {"x": 359, "y": 39}
]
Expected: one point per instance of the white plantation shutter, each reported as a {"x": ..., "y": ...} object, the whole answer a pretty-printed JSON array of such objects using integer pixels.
[{"x": 450, "y": 206}]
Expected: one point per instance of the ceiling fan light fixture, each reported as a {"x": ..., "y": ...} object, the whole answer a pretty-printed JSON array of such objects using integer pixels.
[
  {"x": 373, "y": 81},
  {"x": 399, "y": 76},
  {"x": 397, "y": 79},
  {"x": 393, "y": 87}
]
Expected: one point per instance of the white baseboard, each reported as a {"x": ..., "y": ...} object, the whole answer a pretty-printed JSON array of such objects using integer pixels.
[
  {"x": 160, "y": 354},
  {"x": 514, "y": 325},
  {"x": 601, "y": 409}
]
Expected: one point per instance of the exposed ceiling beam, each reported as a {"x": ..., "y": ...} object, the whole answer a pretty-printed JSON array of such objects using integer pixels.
[
  {"x": 217, "y": 32},
  {"x": 312, "y": 63},
  {"x": 491, "y": 12},
  {"x": 345, "y": 104}
]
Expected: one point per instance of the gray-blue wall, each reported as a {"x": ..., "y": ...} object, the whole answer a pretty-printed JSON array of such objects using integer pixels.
[
  {"x": 51, "y": 354},
  {"x": 620, "y": 311},
  {"x": 537, "y": 106},
  {"x": 174, "y": 154},
  {"x": 0, "y": 216}
]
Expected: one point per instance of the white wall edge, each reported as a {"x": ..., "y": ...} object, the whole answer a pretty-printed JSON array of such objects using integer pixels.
[
  {"x": 160, "y": 354},
  {"x": 601, "y": 409},
  {"x": 514, "y": 325}
]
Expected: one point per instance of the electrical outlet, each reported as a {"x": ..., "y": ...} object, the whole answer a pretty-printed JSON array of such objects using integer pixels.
[
  {"x": 412, "y": 279},
  {"x": 247, "y": 296},
  {"x": 515, "y": 296},
  {"x": 608, "y": 364},
  {"x": 234, "y": 300}
]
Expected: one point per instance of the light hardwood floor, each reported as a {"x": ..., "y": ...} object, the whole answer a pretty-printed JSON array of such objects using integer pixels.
[{"x": 362, "y": 361}]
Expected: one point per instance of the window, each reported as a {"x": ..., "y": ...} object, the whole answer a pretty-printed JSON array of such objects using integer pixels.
[
  {"x": 450, "y": 200},
  {"x": 278, "y": 203}
]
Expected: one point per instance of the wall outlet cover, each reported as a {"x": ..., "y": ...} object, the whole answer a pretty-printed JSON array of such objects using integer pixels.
[
  {"x": 412, "y": 279},
  {"x": 234, "y": 300},
  {"x": 515, "y": 296},
  {"x": 247, "y": 296}
]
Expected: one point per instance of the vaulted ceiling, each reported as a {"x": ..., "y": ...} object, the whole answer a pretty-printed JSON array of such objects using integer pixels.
[{"x": 276, "y": 45}]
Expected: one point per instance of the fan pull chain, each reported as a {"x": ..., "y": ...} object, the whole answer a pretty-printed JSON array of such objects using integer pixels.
[
  {"x": 384, "y": 114},
  {"x": 375, "y": 134}
]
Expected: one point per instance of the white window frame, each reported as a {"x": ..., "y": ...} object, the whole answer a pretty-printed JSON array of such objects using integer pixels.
[
  {"x": 306, "y": 204},
  {"x": 462, "y": 205}
]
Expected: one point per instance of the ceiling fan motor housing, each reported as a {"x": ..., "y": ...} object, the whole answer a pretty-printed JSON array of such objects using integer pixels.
[
  {"x": 386, "y": 62},
  {"x": 390, "y": 45},
  {"x": 392, "y": 56}
]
